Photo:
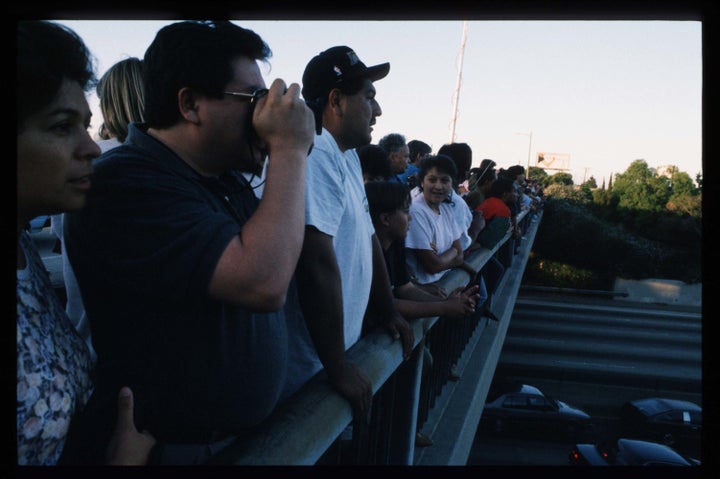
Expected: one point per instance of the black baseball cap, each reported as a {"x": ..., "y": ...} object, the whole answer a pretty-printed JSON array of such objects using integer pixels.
[{"x": 335, "y": 65}]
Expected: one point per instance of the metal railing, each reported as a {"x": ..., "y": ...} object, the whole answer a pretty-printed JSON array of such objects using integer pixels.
[{"x": 316, "y": 425}]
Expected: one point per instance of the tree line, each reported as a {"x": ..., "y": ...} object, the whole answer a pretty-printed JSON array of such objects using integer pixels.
[{"x": 642, "y": 224}]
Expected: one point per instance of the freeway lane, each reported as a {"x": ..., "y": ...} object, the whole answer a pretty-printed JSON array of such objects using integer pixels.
[
  {"x": 596, "y": 354},
  {"x": 602, "y": 352}
]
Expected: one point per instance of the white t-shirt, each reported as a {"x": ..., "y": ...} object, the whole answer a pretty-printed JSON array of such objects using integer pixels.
[
  {"x": 335, "y": 203},
  {"x": 257, "y": 182},
  {"x": 463, "y": 216},
  {"x": 428, "y": 227}
]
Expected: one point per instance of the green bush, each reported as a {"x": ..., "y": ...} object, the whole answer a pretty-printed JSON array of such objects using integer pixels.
[
  {"x": 552, "y": 273},
  {"x": 574, "y": 248}
]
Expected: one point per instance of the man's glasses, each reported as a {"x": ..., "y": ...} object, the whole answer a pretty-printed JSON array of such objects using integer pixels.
[{"x": 252, "y": 97}]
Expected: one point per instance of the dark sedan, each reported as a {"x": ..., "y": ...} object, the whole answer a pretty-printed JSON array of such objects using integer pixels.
[
  {"x": 524, "y": 407},
  {"x": 672, "y": 422},
  {"x": 626, "y": 452}
]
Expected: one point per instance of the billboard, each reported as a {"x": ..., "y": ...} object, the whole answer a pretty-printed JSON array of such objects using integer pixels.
[{"x": 553, "y": 161}]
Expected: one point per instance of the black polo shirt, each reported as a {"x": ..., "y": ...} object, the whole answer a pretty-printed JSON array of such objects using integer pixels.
[{"x": 144, "y": 250}]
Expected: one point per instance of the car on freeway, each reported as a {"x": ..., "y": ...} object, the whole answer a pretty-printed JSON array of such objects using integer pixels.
[
  {"x": 525, "y": 408},
  {"x": 627, "y": 452},
  {"x": 672, "y": 422}
]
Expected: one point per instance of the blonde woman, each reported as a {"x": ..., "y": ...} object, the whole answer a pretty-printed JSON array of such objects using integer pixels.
[{"x": 122, "y": 100}]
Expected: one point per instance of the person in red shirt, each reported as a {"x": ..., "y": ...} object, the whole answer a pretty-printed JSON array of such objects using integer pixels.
[
  {"x": 496, "y": 205},
  {"x": 502, "y": 194}
]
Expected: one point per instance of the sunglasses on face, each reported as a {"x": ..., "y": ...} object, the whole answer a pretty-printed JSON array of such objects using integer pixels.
[{"x": 251, "y": 97}]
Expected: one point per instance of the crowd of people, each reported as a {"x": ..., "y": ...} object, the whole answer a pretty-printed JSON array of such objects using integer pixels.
[{"x": 225, "y": 242}]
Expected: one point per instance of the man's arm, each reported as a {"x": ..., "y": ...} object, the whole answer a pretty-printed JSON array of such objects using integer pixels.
[
  {"x": 461, "y": 263},
  {"x": 256, "y": 267},
  {"x": 320, "y": 292},
  {"x": 436, "y": 262},
  {"x": 382, "y": 302},
  {"x": 476, "y": 226},
  {"x": 414, "y": 302}
]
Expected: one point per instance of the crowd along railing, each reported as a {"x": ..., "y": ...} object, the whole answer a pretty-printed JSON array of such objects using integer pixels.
[{"x": 316, "y": 425}]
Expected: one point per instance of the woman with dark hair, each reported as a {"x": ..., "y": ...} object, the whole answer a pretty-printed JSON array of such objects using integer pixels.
[
  {"x": 54, "y": 163},
  {"x": 472, "y": 223},
  {"x": 434, "y": 238}
]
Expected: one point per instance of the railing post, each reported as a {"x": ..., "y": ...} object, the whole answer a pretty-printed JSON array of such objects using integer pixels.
[{"x": 405, "y": 412}]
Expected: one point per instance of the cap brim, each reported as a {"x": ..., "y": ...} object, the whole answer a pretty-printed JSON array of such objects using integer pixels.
[{"x": 378, "y": 72}]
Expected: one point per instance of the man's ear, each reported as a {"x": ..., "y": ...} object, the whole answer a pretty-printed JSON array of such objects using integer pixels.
[
  {"x": 187, "y": 104},
  {"x": 335, "y": 96}
]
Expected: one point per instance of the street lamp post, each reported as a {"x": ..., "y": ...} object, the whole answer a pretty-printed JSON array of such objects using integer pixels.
[{"x": 527, "y": 171}]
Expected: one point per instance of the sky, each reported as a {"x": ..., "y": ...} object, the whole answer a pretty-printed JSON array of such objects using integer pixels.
[{"x": 602, "y": 92}]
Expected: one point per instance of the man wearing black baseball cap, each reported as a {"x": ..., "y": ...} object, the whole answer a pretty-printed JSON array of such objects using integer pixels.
[
  {"x": 337, "y": 68},
  {"x": 334, "y": 66},
  {"x": 341, "y": 271}
]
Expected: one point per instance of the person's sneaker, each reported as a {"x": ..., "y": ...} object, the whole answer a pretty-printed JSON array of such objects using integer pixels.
[
  {"x": 421, "y": 440},
  {"x": 453, "y": 375}
]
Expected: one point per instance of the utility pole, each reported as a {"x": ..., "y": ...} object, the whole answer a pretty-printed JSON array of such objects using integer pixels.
[
  {"x": 527, "y": 171},
  {"x": 456, "y": 99}
]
